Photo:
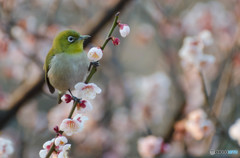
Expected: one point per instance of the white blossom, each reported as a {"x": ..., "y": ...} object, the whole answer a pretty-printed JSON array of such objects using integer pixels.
[
  {"x": 206, "y": 37},
  {"x": 95, "y": 54},
  {"x": 60, "y": 140},
  {"x": 124, "y": 30},
  {"x": 75, "y": 125},
  {"x": 197, "y": 124},
  {"x": 64, "y": 151},
  {"x": 84, "y": 107},
  {"x": 87, "y": 91},
  {"x": 234, "y": 131},
  {"x": 46, "y": 147},
  {"x": 192, "y": 53},
  {"x": 6, "y": 147}
]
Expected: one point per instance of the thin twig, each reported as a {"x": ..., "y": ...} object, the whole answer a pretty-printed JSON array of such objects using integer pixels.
[
  {"x": 73, "y": 109},
  {"x": 94, "y": 67},
  {"x": 214, "y": 113},
  {"x": 204, "y": 88},
  {"x": 222, "y": 89}
]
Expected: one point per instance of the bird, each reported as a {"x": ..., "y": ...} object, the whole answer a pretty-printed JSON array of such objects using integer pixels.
[{"x": 66, "y": 63}]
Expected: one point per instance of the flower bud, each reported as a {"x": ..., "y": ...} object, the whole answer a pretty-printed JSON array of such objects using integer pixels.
[
  {"x": 115, "y": 41},
  {"x": 124, "y": 29},
  {"x": 95, "y": 54},
  {"x": 66, "y": 98}
]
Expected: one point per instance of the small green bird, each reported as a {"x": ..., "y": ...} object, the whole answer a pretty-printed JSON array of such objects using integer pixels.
[{"x": 66, "y": 63}]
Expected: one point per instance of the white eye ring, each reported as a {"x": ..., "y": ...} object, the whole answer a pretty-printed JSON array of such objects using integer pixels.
[{"x": 70, "y": 39}]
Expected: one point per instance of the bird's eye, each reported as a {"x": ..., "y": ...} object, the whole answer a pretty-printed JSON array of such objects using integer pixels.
[{"x": 70, "y": 39}]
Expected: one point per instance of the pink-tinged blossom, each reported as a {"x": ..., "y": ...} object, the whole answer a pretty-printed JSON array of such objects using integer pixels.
[
  {"x": 150, "y": 146},
  {"x": 234, "y": 131},
  {"x": 46, "y": 147},
  {"x": 197, "y": 124},
  {"x": 115, "y": 41},
  {"x": 61, "y": 148},
  {"x": 95, "y": 54},
  {"x": 60, "y": 141},
  {"x": 64, "y": 151},
  {"x": 124, "y": 30},
  {"x": 75, "y": 125},
  {"x": 43, "y": 153},
  {"x": 84, "y": 106},
  {"x": 6, "y": 148},
  {"x": 210, "y": 15},
  {"x": 192, "y": 53},
  {"x": 206, "y": 37},
  {"x": 87, "y": 91},
  {"x": 66, "y": 98},
  {"x": 213, "y": 16}
]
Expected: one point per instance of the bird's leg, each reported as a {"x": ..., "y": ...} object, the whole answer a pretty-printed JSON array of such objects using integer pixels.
[
  {"x": 93, "y": 63},
  {"x": 69, "y": 90},
  {"x": 75, "y": 99}
]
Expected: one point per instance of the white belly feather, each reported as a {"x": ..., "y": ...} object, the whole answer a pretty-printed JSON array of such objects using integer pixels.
[{"x": 67, "y": 69}]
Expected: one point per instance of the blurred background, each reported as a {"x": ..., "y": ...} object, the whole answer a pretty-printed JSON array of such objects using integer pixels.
[{"x": 175, "y": 77}]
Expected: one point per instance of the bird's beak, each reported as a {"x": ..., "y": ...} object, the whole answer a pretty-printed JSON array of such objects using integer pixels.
[{"x": 83, "y": 37}]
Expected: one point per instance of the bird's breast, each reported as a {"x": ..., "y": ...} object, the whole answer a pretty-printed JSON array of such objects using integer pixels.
[{"x": 67, "y": 69}]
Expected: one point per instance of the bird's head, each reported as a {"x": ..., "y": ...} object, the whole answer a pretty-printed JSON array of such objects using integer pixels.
[{"x": 69, "y": 41}]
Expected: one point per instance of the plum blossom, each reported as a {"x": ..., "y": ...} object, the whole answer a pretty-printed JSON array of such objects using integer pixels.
[
  {"x": 210, "y": 15},
  {"x": 43, "y": 153},
  {"x": 61, "y": 140},
  {"x": 206, "y": 37},
  {"x": 63, "y": 153},
  {"x": 87, "y": 91},
  {"x": 75, "y": 125},
  {"x": 124, "y": 30},
  {"x": 84, "y": 106},
  {"x": 150, "y": 146},
  {"x": 61, "y": 148},
  {"x": 197, "y": 124},
  {"x": 46, "y": 147},
  {"x": 6, "y": 148},
  {"x": 234, "y": 131},
  {"x": 191, "y": 52},
  {"x": 95, "y": 54}
]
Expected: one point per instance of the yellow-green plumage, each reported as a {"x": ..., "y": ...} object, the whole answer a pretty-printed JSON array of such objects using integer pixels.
[{"x": 66, "y": 63}]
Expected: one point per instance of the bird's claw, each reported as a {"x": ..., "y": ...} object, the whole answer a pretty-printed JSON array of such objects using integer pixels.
[
  {"x": 75, "y": 99},
  {"x": 93, "y": 63}
]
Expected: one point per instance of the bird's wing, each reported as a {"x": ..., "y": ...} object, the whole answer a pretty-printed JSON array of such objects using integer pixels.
[{"x": 46, "y": 68}]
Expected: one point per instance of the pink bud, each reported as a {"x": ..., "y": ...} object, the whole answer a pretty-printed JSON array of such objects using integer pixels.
[
  {"x": 67, "y": 98},
  {"x": 56, "y": 129},
  {"x": 124, "y": 29},
  {"x": 115, "y": 41}
]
